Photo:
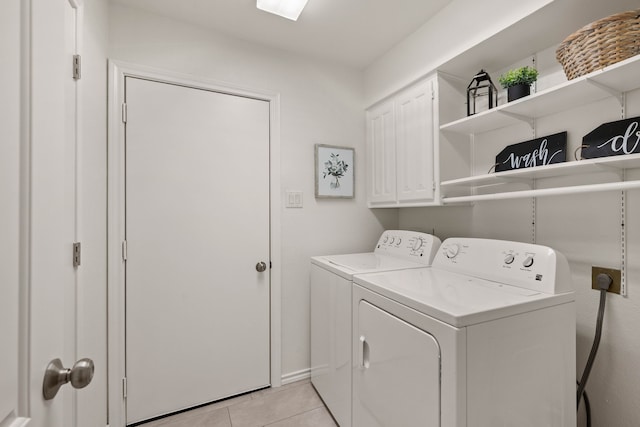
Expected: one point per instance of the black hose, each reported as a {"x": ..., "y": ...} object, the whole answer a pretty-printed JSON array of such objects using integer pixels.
[
  {"x": 587, "y": 407},
  {"x": 594, "y": 348}
]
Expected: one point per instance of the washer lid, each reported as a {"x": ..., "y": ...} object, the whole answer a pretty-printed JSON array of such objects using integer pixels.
[
  {"x": 350, "y": 264},
  {"x": 457, "y": 299}
]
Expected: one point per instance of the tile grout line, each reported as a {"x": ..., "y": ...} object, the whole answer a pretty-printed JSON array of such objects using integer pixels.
[
  {"x": 229, "y": 415},
  {"x": 292, "y": 416}
]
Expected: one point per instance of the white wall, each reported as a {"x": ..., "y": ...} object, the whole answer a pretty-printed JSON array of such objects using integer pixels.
[
  {"x": 320, "y": 103},
  {"x": 459, "y": 26}
]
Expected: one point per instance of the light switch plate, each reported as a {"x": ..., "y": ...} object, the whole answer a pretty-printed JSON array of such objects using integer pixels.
[{"x": 293, "y": 199}]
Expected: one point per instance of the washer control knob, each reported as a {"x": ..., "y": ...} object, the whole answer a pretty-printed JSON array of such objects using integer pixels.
[
  {"x": 386, "y": 238},
  {"x": 528, "y": 261},
  {"x": 398, "y": 241},
  {"x": 417, "y": 244},
  {"x": 452, "y": 251},
  {"x": 392, "y": 240},
  {"x": 509, "y": 259}
]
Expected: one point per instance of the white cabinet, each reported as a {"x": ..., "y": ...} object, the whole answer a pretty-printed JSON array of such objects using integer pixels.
[{"x": 401, "y": 147}]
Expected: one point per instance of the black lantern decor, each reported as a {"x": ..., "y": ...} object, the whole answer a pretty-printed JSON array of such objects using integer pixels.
[{"x": 481, "y": 86}]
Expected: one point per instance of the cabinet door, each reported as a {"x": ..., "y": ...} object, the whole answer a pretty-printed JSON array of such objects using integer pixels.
[
  {"x": 415, "y": 142},
  {"x": 381, "y": 154}
]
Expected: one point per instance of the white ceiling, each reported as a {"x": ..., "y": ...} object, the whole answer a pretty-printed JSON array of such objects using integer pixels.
[{"x": 351, "y": 32}]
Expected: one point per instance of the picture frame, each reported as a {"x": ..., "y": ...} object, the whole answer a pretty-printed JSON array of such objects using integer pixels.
[{"x": 334, "y": 172}]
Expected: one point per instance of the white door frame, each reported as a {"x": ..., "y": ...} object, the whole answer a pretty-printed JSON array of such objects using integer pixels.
[{"x": 116, "y": 218}]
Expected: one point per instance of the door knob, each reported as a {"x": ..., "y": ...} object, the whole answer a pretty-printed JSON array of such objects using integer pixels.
[
  {"x": 56, "y": 376},
  {"x": 261, "y": 266}
]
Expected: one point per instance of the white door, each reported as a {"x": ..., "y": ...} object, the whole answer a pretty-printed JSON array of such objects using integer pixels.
[
  {"x": 396, "y": 378},
  {"x": 39, "y": 296},
  {"x": 49, "y": 214},
  {"x": 381, "y": 153},
  {"x": 415, "y": 130},
  {"x": 197, "y": 225}
]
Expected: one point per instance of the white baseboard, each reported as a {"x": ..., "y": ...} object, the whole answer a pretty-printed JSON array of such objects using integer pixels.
[{"x": 292, "y": 377}]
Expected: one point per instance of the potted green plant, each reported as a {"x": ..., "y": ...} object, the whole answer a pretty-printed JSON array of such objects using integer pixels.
[{"x": 518, "y": 82}]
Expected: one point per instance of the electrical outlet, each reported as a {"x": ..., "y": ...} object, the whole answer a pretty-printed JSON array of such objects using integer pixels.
[{"x": 616, "y": 275}]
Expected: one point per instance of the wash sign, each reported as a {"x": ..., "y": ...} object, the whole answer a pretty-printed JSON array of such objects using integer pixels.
[{"x": 537, "y": 152}]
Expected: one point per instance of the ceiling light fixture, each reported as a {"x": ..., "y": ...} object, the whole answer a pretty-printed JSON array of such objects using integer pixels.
[{"x": 290, "y": 9}]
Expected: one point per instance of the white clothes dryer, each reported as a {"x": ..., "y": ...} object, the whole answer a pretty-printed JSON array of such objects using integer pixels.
[
  {"x": 483, "y": 338},
  {"x": 331, "y": 287}
]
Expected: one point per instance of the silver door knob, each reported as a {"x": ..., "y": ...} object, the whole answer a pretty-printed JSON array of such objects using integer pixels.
[
  {"x": 56, "y": 376},
  {"x": 261, "y": 266}
]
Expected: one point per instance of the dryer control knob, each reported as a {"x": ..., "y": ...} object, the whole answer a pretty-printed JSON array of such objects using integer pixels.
[
  {"x": 528, "y": 262},
  {"x": 452, "y": 251},
  {"x": 509, "y": 259},
  {"x": 417, "y": 244}
]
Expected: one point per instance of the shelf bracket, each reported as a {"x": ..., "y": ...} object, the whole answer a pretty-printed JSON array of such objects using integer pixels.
[
  {"x": 615, "y": 93},
  {"x": 520, "y": 117}
]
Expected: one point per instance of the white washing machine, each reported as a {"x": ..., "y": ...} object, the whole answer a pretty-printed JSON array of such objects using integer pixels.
[
  {"x": 484, "y": 338},
  {"x": 331, "y": 286}
]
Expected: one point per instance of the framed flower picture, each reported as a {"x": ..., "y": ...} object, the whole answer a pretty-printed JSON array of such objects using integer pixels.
[{"x": 334, "y": 171}]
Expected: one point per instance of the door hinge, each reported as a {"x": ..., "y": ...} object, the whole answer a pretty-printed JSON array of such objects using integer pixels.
[
  {"x": 77, "y": 67},
  {"x": 76, "y": 254},
  {"x": 124, "y": 113},
  {"x": 124, "y": 250},
  {"x": 433, "y": 94},
  {"x": 124, "y": 388}
]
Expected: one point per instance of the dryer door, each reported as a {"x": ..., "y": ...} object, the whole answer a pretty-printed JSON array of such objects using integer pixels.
[{"x": 397, "y": 378}]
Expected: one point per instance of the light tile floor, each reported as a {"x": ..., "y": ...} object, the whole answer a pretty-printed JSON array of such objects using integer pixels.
[{"x": 293, "y": 405}]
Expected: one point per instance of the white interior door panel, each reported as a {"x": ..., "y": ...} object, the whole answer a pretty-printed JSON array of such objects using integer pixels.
[{"x": 197, "y": 223}]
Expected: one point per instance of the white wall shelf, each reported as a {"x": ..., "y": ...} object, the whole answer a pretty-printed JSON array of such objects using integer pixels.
[
  {"x": 396, "y": 204},
  {"x": 602, "y": 164},
  {"x": 610, "y": 81},
  {"x": 544, "y": 192}
]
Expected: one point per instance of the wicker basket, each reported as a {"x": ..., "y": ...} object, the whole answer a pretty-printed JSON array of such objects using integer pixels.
[{"x": 601, "y": 43}]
